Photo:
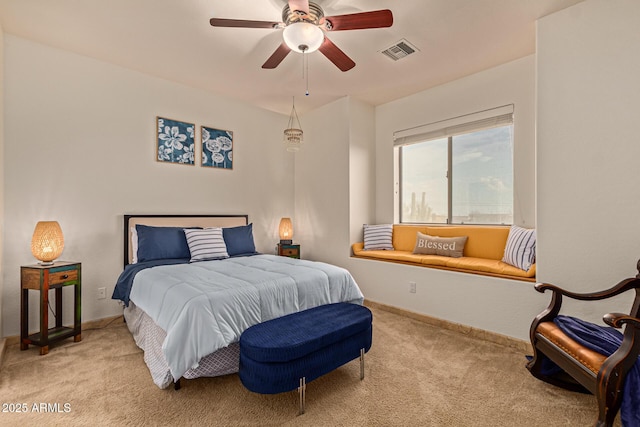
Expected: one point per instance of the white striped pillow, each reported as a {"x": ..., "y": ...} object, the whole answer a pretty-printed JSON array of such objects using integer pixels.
[
  {"x": 520, "y": 250},
  {"x": 205, "y": 244},
  {"x": 378, "y": 237}
]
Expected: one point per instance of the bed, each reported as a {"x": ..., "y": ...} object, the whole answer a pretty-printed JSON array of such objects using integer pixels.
[{"x": 192, "y": 284}]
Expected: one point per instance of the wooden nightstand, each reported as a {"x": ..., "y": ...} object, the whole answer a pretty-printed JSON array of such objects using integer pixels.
[
  {"x": 42, "y": 278},
  {"x": 292, "y": 251}
]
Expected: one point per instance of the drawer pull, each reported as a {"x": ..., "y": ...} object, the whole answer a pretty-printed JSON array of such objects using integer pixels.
[{"x": 65, "y": 276}]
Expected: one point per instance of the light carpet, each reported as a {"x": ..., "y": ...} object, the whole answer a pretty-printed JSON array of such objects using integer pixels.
[{"x": 416, "y": 374}]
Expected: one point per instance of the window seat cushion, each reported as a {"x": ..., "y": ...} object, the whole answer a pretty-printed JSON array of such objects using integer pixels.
[{"x": 483, "y": 251}]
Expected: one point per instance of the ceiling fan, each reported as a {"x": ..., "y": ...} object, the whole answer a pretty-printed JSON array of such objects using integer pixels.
[{"x": 304, "y": 26}]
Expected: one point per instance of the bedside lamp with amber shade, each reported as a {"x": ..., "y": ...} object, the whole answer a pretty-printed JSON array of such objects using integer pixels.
[
  {"x": 47, "y": 242},
  {"x": 286, "y": 231},
  {"x": 286, "y": 246}
]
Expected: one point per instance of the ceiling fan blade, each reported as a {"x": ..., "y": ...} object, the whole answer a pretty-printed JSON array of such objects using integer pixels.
[
  {"x": 243, "y": 23},
  {"x": 276, "y": 58},
  {"x": 335, "y": 55},
  {"x": 358, "y": 21},
  {"x": 301, "y": 5}
]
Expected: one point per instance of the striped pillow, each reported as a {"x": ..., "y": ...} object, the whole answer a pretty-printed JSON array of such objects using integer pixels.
[
  {"x": 206, "y": 243},
  {"x": 520, "y": 250},
  {"x": 378, "y": 237}
]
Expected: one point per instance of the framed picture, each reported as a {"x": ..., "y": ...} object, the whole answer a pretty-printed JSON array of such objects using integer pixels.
[
  {"x": 175, "y": 141},
  {"x": 217, "y": 148}
]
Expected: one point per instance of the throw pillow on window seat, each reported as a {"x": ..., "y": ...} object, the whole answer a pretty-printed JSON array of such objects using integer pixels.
[
  {"x": 520, "y": 250},
  {"x": 446, "y": 246},
  {"x": 378, "y": 237}
]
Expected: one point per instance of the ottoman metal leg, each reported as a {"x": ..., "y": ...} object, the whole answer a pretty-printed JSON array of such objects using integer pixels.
[
  {"x": 361, "y": 364},
  {"x": 302, "y": 392}
]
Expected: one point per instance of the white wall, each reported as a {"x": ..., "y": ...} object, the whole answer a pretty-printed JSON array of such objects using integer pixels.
[
  {"x": 334, "y": 195},
  {"x": 321, "y": 220},
  {"x": 588, "y": 67},
  {"x": 362, "y": 172},
  {"x": 1, "y": 175},
  {"x": 80, "y": 149},
  {"x": 478, "y": 301}
]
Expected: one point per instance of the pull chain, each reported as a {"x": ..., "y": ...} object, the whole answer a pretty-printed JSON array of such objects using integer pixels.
[
  {"x": 305, "y": 71},
  {"x": 307, "y": 92}
]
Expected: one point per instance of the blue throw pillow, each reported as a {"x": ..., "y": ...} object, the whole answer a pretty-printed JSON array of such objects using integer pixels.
[
  {"x": 239, "y": 240},
  {"x": 161, "y": 243}
]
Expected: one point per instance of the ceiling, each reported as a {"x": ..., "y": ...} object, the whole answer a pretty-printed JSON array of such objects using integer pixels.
[{"x": 172, "y": 39}]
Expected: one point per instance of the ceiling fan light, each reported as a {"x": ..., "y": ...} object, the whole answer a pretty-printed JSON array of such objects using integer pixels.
[{"x": 303, "y": 37}]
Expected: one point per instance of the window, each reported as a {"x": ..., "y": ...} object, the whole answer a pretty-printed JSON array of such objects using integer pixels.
[{"x": 458, "y": 171}]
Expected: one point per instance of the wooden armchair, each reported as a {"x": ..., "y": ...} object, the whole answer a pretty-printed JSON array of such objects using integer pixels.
[{"x": 585, "y": 370}]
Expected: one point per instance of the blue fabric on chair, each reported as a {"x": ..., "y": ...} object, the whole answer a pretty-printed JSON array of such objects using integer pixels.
[
  {"x": 606, "y": 340},
  {"x": 274, "y": 355}
]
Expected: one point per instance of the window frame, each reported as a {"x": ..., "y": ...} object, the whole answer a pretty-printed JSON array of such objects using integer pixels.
[{"x": 450, "y": 128}]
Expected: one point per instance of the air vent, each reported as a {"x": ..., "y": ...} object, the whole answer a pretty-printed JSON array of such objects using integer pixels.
[{"x": 400, "y": 50}]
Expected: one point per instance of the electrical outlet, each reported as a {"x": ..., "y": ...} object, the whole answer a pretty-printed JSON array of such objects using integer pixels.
[
  {"x": 102, "y": 293},
  {"x": 412, "y": 287}
]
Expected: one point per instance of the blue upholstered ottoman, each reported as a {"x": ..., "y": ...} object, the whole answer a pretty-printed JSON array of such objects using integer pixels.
[{"x": 285, "y": 353}]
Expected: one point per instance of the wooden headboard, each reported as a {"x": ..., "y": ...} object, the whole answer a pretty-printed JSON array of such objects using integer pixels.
[{"x": 176, "y": 221}]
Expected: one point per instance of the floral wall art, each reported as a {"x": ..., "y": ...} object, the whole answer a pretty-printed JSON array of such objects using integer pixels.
[
  {"x": 175, "y": 141},
  {"x": 217, "y": 148}
]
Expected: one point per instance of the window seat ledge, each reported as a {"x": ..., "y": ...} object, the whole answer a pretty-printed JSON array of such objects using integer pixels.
[{"x": 469, "y": 265}]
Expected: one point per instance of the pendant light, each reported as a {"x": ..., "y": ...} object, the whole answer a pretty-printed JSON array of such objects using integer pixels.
[{"x": 293, "y": 133}]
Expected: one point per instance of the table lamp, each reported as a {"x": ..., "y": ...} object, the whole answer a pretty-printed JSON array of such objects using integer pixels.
[
  {"x": 286, "y": 231},
  {"x": 47, "y": 242}
]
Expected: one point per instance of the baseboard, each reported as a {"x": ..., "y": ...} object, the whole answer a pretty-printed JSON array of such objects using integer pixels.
[{"x": 482, "y": 334}]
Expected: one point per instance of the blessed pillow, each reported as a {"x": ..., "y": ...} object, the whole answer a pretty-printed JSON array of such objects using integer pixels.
[
  {"x": 160, "y": 243},
  {"x": 206, "y": 244},
  {"x": 446, "y": 246},
  {"x": 520, "y": 250},
  {"x": 239, "y": 240},
  {"x": 378, "y": 237}
]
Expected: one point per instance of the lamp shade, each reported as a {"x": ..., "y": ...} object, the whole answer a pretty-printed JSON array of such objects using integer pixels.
[
  {"x": 286, "y": 230},
  {"x": 303, "y": 37},
  {"x": 47, "y": 242}
]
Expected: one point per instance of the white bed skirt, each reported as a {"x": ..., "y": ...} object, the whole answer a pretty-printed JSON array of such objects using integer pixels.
[{"x": 149, "y": 337}]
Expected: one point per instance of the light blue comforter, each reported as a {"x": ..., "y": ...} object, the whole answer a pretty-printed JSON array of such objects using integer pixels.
[{"x": 205, "y": 306}]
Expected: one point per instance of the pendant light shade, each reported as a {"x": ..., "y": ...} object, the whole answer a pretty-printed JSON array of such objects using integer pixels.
[{"x": 293, "y": 135}]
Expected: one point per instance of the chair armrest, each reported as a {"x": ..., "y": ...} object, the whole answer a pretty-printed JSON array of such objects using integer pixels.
[
  {"x": 553, "y": 309},
  {"x": 621, "y": 287},
  {"x": 618, "y": 319},
  {"x": 615, "y": 367}
]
